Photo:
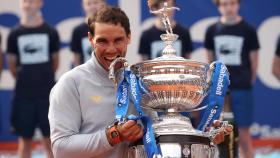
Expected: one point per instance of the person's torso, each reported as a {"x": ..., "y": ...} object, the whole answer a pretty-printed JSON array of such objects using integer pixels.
[
  {"x": 231, "y": 46},
  {"x": 35, "y": 75}
]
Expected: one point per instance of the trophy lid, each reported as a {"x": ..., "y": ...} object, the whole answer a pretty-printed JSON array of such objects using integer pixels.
[
  {"x": 168, "y": 53},
  {"x": 171, "y": 82}
]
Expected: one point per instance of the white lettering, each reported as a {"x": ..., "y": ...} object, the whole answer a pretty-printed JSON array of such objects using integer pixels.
[{"x": 221, "y": 80}]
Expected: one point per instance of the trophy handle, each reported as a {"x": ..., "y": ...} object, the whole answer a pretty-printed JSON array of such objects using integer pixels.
[
  {"x": 211, "y": 69},
  {"x": 222, "y": 129},
  {"x": 112, "y": 75}
]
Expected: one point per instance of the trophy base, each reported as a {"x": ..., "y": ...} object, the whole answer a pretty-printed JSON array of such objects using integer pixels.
[
  {"x": 178, "y": 146},
  {"x": 177, "y": 139},
  {"x": 175, "y": 124}
]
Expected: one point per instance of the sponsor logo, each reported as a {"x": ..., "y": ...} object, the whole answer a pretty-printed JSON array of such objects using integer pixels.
[
  {"x": 133, "y": 86},
  {"x": 124, "y": 94},
  {"x": 220, "y": 85},
  {"x": 210, "y": 117},
  {"x": 148, "y": 138}
]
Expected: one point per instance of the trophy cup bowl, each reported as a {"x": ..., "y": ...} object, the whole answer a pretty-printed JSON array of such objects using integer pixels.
[{"x": 172, "y": 84}]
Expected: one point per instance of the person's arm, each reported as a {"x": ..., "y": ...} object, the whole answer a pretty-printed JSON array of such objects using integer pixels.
[
  {"x": 76, "y": 47},
  {"x": 12, "y": 64},
  {"x": 187, "y": 44},
  {"x": 77, "y": 59},
  {"x": 144, "y": 46},
  {"x": 254, "y": 64},
  {"x": 144, "y": 57},
  {"x": 276, "y": 67},
  {"x": 55, "y": 61},
  {"x": 253, "y": 47},
  {"x": 65, "y": 119},
  {"x": 54, "y": 49},
  {"x": 209, "y": 56},
  {"x": 209, "y": 45}
]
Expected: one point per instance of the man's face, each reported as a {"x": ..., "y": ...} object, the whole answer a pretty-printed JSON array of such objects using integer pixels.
[
  {"x": 92, "y": 6},
  {"x": 30, "y": 7},
  {"x": 229, "y": 8},
  {"x": 109, "y": 42}
]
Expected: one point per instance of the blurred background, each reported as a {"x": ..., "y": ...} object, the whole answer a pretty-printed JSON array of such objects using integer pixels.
[{"x": 197, "y": 15}]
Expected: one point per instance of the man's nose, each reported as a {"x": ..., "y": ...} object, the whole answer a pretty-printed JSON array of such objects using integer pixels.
[{"x": 111, "y": 48}]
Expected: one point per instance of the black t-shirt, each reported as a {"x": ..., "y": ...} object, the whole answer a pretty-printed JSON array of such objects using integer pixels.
[
  {"x": 152, "y": 45},
  {"x": 232, "y": 45},
  {"x": 278, "y": 48},
  {"x": 33, "y": 48},
  {"x": 80, "y": 43}
]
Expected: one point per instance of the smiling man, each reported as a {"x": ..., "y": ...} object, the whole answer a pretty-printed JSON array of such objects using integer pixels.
[{"x": 82, "y": 103}]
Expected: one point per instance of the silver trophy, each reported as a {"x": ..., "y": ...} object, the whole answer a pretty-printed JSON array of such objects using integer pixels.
[{"x": 173, "y": 84}]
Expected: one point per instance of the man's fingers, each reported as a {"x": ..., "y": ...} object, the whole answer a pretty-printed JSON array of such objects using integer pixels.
[
  {"x": 219, "y": 138},
  {"x": 133, "y": 135},
  {"x": 228, "y": 129},
  {"x": 217, "y": 123},
  {"x": 128, "y": 124}
]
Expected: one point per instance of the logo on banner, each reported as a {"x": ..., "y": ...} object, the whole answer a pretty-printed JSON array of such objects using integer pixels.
[
  {"x": 133, "y": 86},
  {"x": 221, "y": 80},
  {"x": 124, "y": 94}
]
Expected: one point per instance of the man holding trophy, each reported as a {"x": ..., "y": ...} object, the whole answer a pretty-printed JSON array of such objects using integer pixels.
[{"x": 86, "y": 120}]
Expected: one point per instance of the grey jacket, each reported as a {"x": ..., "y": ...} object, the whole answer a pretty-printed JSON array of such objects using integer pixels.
[{"x": 82, "y": 105}]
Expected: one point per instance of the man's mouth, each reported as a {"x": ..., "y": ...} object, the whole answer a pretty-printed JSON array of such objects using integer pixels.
[{"x": 110, "y": 59}]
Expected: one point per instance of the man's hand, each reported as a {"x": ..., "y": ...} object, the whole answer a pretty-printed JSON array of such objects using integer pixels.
[
  {"x": 220, "y": 137},
  {"x": 149, "y": 4},
  {"x": 130, "y": 131}
]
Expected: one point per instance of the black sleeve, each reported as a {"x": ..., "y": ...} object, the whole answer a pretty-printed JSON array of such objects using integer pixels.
[
  {"x": 54, "y": 41},
  {"x": 187, "y": 43},
  {"x": 75, "y": 44},
  {"x": 12, "y": 44},
  {"x": 278, "y": 48},
  {"x": 209, "y": 39},
  {"x": 144, "y": 45},
  {"x": 253, "y": 40}
]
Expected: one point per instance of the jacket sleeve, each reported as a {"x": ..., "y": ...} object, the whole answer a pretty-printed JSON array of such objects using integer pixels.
[{"x": 65, "y": 122}]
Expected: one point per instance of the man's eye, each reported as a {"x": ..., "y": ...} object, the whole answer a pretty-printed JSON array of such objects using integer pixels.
[
  {"x": 101, "y": 42},
  {"x": 119, "y": 41}
]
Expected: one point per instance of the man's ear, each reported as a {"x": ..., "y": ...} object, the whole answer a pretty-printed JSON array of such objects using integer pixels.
[
  {"x": 90, "y": 38},
  {"x": 129, "y": 38}
]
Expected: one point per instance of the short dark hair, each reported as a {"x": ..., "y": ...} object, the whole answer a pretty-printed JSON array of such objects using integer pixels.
[
  {"x": 109, "y": 14},
  {"x": 217, "y": 2},
  {"x": 156, "y": 3}
]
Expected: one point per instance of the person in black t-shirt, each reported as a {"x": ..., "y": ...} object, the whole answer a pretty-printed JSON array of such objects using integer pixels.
[
  {"x": 276, "y": 61},
  {"x": 80, "y": 45},
  {"x": 151, "y": 45},
  {"x": 234, "y": 42},
  {"x": 33, "y": 59}
]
